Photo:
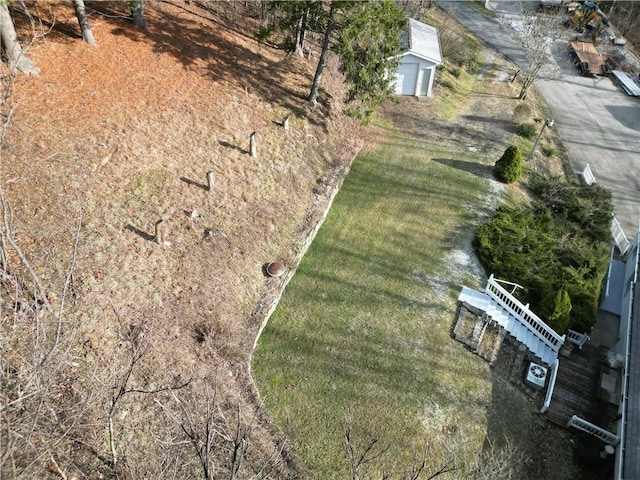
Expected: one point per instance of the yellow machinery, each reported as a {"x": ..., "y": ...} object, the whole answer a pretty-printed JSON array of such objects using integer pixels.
[{"x": 588, "y": 15}]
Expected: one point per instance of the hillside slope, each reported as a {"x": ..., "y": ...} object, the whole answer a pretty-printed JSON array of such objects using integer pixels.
[{"x": 106, "y": 142}]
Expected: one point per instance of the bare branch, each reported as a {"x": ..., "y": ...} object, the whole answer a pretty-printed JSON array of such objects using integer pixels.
[
  {"x": 65, "y": 289},
  {"x": 8, "y": 235},
  {"x": 446, "y": 468},
  {"x": 54, "y": 467},
  {"x": 367, "y": 455},
  {"x": 536, "y": 34},
  {"x": 500, "y": 462}
]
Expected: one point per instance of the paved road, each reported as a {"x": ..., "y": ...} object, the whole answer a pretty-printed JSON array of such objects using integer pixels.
[{"x": 598, "y": 124}]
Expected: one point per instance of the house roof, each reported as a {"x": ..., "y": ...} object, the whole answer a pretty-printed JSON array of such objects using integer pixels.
[
  {"x": 630, "y": 443},
  {"x": 422, "y": 41}
]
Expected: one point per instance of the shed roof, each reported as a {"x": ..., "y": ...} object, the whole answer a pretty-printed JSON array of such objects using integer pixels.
[{"x": 422, "y": 41}]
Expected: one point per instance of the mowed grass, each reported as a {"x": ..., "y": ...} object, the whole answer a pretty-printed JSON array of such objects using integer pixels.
[{"x": 363, "y": 327}]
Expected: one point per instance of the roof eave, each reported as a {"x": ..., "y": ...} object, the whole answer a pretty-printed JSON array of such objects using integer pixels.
[{"x": 424, "y": 57}]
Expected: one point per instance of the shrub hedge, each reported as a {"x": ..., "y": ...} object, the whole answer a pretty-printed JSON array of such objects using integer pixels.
[
  {"x": 558, "y": 244},
  {"x": 526, "y": 130}
]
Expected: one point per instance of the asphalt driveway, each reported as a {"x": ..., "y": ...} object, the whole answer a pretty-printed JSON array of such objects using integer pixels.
[{"x": 597, "y": 122}]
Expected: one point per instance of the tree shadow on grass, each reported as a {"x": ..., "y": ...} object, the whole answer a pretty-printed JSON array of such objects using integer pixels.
[
  {"x": 478, "y": 118},
  {"x": 188, "y": 181},
  {"x": 232, "y": 146},
  {"x": 478, "y": 169},
  {"x": 141, "y": 233}
]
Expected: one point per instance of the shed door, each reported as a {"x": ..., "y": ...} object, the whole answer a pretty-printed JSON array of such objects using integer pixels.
[
  {"x": 426, "y": 82},
  {"x": 406, "y": 79}
]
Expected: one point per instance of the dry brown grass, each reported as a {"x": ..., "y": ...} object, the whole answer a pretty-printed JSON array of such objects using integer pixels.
[{"x": 122, "y": 135}]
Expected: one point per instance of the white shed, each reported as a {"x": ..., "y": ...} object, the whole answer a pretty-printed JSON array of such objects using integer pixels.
[{"x": 418, "y": 62}]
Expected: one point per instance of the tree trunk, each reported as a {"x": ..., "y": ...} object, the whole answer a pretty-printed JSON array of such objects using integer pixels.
[
  {"x": 523, "y": 92},
  {"x": 83, "y": 21},
  {"x": 296, "y": 48},
  {"x": 137, "y": 14},
  {"x": 9, "y": 40},
  {"x": 315, "y": 87},
  {"x": 301, "y": 32}
]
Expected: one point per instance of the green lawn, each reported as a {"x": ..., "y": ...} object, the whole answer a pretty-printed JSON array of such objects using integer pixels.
[{"x": 363, "y": 327}]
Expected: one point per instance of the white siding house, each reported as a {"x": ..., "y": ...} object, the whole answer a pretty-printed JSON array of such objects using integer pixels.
[
  {"x": 627, "y": 466},
  {"x": 418, "y": 62}
]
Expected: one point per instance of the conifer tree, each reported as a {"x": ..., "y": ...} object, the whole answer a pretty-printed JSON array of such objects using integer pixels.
[
  {"x": 509, "y": 168},
  {"x": 367, "y": 41}
]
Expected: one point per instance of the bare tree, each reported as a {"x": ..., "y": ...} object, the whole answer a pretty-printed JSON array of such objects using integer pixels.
[
  {"x": 220, "y": 434},
  {"x": 135, "y": 337},
  {"x": 536, "y": 34},
  {"x": 209, "y": 430},
  {"x": 415, "y": 8},
  {"x": 449, "y": 34},
  {"x": 372, "y": 450},
  {"x": 500, "y": 462},
  {"x": 41, "y": 407},
  {"x": 368, "y": 453}
]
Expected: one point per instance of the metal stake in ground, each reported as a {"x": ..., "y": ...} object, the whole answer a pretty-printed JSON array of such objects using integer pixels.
[
  {"x": 210, "y": 181},
  {"x": 252, "y": 144},
  {"x": 160, "y": 233}
]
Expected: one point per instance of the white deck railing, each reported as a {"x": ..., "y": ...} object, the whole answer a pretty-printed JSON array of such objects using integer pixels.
[
  {"x": 601, "y": 433},
  {"x": 525, "y": 316},
  {"x": 552, "y": 385},
  {"x": 587, "y": 175},
  {"x": 620, "y": 239},
  {"x": 578, "y": 338}
]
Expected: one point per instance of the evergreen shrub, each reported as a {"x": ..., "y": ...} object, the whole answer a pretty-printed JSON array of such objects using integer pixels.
[
  {"x": 526, "y": 130},
  {"x": 508, "y": 168},
  {"x": 559, "y": 243}
]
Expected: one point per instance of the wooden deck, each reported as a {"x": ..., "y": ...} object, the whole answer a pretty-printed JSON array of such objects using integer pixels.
[{"x": 578, "y": 390}]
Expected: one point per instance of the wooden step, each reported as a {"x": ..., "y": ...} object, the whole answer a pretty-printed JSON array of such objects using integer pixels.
[
  {"x": 519, "y": 330},
  {"x": 528, "y": 340},
  {"x": 474, "y": 298}
]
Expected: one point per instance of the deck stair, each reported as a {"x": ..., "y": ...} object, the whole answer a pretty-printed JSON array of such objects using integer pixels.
[{"x": 506, "y": 311}]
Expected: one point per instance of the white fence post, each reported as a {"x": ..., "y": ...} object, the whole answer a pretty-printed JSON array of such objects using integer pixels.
[{"x": 552, "y": 385}]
